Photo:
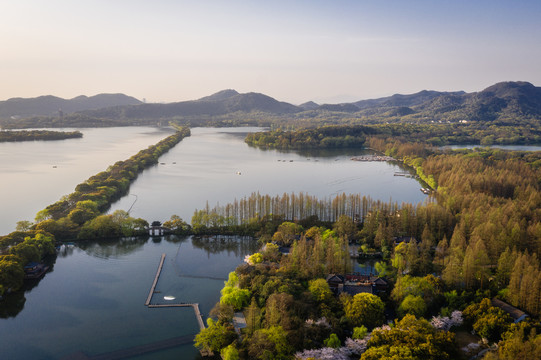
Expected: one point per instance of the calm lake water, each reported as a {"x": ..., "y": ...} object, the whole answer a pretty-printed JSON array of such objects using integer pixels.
[
  {"x": 206, "y": 166},
  {"x": 92, "y": 300},
  {"x": 35, "y": 174}
]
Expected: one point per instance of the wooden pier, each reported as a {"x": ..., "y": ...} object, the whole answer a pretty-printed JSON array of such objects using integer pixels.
[
  {"x": 153, "y": 287},
  {"x": 194, "y": 306},
  {"x": 152, "y": 347}
]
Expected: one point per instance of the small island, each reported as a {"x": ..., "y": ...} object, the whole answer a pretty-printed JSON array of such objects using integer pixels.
[{"x": 31, "y": 135}]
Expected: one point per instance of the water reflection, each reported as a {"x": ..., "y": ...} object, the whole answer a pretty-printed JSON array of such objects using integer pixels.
[
  {"x": 113, "y": 248},
  {"x": 238, "y": 246},
  {"x": 12, "y": 304},
  {"x": 95, "y": 306},
  {"x": 366, "y": 266}
]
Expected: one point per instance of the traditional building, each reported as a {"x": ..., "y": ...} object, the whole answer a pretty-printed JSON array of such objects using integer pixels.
[
  {"x": 517, "y": 314},
  {"x": 354, "y": 284},
  {"x": 156, "y": 229}
]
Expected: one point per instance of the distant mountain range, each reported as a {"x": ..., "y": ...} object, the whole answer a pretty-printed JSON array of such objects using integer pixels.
[
  {"x": 506, "y": 102},
  {"x": 51, "y": 105}
]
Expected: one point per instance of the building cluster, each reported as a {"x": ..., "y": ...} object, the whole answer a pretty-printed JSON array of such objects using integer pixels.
[{"x": 354, "y": 284}]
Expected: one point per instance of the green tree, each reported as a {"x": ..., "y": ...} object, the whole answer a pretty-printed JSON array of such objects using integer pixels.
[
  {"x": 236, "y": 297},
  {"x": 412, "y": 304},
  {"x": 365, "y": 309},
  {"x": 23, "y": 225},
  {"x": 280, "y": 311},
  {"x": 487, "y": 320},
  {"x": 320, "y": 290},
  {"x": 253, "y": 317},
  {"x": 332, "y": 341},
  {"x": 84, "y": 211},
  {"x": 427, "y": 287},
  {"x": 26, "y": 251},
  {"x": 215, "y": 336},
  {"x": 11, "y": 272},
  {"x": 271, "y": 252},
  {"x": 286, "y": 233},
  {"x": 410, "y": 338},
  {"x": 269, "y": 344},
  {"x": 345, "y": 227},
  {"x": 177, "y": 225},
  {"x": 230, "y": 352},
  {"x": 359, "y": 332},
  {"x": 255, "y": 258},
  {"x": 518, "y": 344}
]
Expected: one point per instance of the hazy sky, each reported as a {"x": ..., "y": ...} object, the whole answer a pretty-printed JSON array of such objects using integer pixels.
[{"x": 295, "y": 51}]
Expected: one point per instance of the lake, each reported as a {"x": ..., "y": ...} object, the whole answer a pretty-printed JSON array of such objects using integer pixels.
[
  {"x": 201, "y": 168},
  {"x": 91, "y": 302},
  {"x": 35, "y": 174},
  {"x": 215, "y": 165},
  {"x": 93, "y": 299}
]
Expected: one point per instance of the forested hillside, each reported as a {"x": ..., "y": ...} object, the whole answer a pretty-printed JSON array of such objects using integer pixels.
[
  {"x": 505, "y": 103},
  {"x": 55, "y": 106}
]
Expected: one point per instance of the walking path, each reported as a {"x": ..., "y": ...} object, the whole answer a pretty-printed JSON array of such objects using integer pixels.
[
  {"x": 195, "y": 306},
  {"x": 155, "y": 346},
  {"x": 153, "y": 287}
]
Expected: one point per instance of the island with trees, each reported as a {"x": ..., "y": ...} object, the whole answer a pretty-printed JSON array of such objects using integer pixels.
[{"x": 32, "y": 135}]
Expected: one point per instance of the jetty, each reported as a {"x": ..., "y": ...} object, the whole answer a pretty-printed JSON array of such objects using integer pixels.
[
  {"x": 152, "y": 291},
  {"x": 153, "y": 287},
  {"x": 194, "y": 306}
]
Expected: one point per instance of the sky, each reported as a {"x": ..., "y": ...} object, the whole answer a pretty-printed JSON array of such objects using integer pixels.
[{"x": 295, "y": 51}]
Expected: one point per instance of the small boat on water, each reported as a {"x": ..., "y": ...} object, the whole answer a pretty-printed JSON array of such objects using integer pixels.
[
  {"x": 169, "y": 297},
  {"x": 34, "y": 270}
]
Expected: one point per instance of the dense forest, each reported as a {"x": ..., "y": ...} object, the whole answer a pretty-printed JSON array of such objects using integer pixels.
[
  {"x": 31, "y": 135},
  {"x": 343, "y": 136},
  {"x": 445, "y": 264},
  {"x": 447, "y": 261}
]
